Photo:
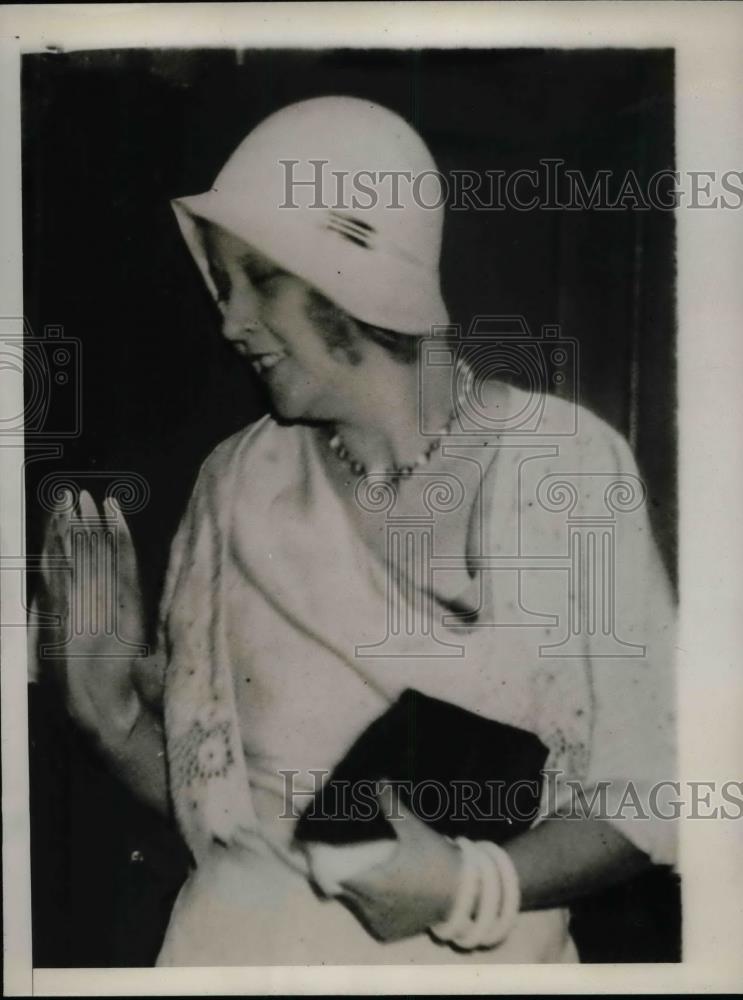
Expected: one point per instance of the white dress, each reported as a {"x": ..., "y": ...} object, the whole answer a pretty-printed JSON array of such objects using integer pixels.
[{"x": 286, "y": 636}]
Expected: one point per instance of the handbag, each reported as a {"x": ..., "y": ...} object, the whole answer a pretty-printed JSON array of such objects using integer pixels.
[{"x": 463, "y": 774}]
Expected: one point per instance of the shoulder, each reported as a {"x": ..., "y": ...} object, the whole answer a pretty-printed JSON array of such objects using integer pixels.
[
  {"x": 252, "y": 461},
  {"x": 579, "y": 433},
  {"x": 262, "y": 441},
  {"x": 231, "y": 450}
]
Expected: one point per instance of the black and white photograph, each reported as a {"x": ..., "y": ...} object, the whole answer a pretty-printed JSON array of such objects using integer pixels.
[{"x": 352, "y": 561}]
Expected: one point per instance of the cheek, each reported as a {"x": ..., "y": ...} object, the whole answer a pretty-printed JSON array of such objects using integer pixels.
[
  {"x": 320, "y": 358},
  {"x": 283, "y": 312},
  {"x": 339, "y": 337},
  {"x": 324, "y": 342},
  {"x": 303, "y": 337}
]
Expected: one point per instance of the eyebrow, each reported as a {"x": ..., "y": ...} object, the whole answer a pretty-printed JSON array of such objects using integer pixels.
[{"x": 252, "y": 259}]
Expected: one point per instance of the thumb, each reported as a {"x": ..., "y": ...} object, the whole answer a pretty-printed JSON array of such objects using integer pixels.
[{"x": 394, "y": 809}]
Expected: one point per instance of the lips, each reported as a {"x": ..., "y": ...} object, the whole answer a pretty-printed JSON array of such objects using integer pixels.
[{"x": 265, "y": 362}]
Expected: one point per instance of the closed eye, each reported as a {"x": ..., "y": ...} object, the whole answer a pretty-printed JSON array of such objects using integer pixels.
[
  {"x": 261, "y": 280},
  {"x": 258, "y": 269}
]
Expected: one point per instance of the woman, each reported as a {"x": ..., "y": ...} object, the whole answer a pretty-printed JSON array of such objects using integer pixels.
[{"x": 279, "y": 643}]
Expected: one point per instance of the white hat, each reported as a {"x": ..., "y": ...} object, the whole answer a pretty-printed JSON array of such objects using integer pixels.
[{"x": 370, "y": 249}]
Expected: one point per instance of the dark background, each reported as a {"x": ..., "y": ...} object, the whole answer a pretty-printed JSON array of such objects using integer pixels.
[{"x": 109, "y": 138}]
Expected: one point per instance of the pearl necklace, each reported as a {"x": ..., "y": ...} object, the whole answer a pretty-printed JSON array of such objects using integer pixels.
[{"x": 340, "y": 450}]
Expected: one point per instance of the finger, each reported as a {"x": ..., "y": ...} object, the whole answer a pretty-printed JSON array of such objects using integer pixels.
[
  {"x": 388, "y": 795},
  {"x": 111, "y": 509},
  {"x": 56, "y": 552},
  {"x": 88, "y": 509},
  {"x": 59, "y": 521},
  {"x": 114, "y": 516},
  {"x": 391, "y": 802},
  {"x": 126, "y": 557},
  {"x": 54, "y": 545},
  {"x": 92, "y": 573}
]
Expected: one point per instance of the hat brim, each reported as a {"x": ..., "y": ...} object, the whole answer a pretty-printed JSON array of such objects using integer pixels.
[{"x": 348, "y": 274}]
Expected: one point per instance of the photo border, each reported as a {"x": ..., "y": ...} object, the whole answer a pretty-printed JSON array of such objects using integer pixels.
[{"x": 708, "y": 39}]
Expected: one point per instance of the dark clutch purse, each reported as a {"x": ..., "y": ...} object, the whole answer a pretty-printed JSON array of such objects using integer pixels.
[{"x": 462, "y": 774}]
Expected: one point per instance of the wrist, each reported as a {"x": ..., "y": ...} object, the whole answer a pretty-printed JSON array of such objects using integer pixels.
[
  {"x": 450, "y": 883},
  {"x": 487, "y": 900}
]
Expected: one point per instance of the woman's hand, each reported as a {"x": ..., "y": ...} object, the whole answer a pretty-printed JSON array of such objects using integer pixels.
[
  {"x": 88, "y": 632},
  {"x": 89, "y": 593},
  {"x": 415, "y": 888},
  {"x": 557, "y": 862}
]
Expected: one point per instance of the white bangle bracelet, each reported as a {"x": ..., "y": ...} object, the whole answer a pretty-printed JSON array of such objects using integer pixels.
[
  {"x": 489, "y": 888},
  {"x": 464, "y": 901},
  {"x": 510, "y": 895}
]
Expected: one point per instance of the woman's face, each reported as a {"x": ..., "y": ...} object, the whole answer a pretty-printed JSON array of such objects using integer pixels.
[{"x": 271, "y": 317}]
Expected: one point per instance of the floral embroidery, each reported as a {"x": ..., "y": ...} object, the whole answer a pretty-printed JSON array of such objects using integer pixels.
[{"x": 202, "y": 753}]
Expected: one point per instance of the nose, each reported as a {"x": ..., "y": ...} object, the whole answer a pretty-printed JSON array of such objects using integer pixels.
[{"x": 240, "y": 314}]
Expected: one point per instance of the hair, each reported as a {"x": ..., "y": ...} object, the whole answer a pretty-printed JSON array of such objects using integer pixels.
[{"x": 343, "y": 332}]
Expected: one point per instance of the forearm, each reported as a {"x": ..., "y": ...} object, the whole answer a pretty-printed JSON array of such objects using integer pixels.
[
  {"x": 106, "y": 700},
  {"x": 563, "y": 859},
  {"x": 556, "y": 862},
  {"x": 137, "y": 756}
]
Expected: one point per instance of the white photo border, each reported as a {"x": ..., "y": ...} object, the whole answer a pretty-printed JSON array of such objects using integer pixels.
[{"x": 707, "y": 39}]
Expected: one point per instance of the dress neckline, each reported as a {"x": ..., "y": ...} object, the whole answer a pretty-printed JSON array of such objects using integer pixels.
[{"x": 460, "y": 602}]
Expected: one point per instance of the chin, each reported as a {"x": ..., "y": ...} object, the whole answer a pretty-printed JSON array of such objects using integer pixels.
[
  {"x": 301, "y": 402},
  {"x": 288, "y": 408}
]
